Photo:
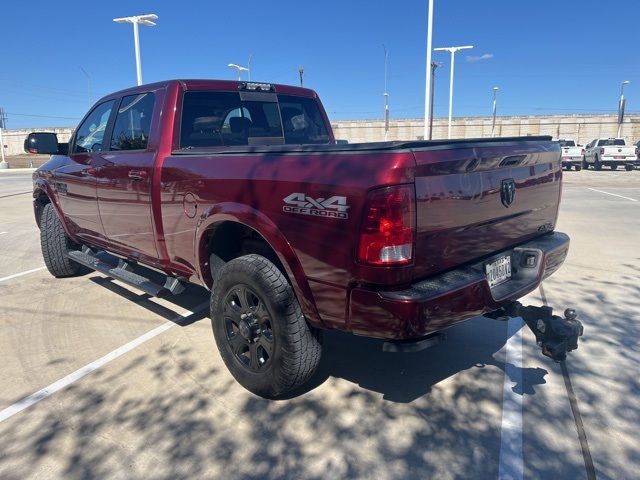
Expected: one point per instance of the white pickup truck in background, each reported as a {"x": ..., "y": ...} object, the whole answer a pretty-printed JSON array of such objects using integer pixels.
[
  {"x": 572, "y": 154},
  {"x": 611, "y": 152}
]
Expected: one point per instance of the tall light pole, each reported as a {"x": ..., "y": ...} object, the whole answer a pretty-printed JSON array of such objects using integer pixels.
[
  {"x": 3, "y": 163},
  {"x": 434, "y": 65},
  {"x": 301, "y": 73},
  {"x": 386, "y": 95},
  {"x": 493, "y": 123},
  {"x": 453, "y": 51},
  {"x": 88, "y": 84},
  {"x": 427, "y": 92},
  {"x": 621, "y": 107},
  {"x": 238, "y": 69},
  {"x": 249, "y": 66},
  {"x": 138, "y": 20}
]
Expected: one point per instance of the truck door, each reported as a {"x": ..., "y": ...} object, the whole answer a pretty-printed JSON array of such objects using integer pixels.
[
  {"x": 75, "y": 183},
  {"x": 124, "y": 180}
]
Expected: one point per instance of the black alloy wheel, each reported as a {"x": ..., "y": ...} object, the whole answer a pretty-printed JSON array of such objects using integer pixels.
[{"x": 248, "y": 328}]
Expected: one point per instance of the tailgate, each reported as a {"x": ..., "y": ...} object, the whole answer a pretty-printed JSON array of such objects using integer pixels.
[
  {"x": 476, "y": 198},
  {"x": 619, "y": 151}
]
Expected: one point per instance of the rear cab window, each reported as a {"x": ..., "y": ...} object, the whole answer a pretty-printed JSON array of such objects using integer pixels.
[{"x": 223, "y": 119}]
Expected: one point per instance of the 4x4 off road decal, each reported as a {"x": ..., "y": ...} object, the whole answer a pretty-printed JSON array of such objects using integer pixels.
[{"x": 333, "y": 207}]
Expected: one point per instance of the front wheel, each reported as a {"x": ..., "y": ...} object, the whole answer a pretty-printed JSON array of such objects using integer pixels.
[
  {"x": 55, "y": 244},
  {"x": 259, "y": 328}
]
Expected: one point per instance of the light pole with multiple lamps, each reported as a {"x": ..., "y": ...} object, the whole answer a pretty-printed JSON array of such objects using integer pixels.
[
  {"x": 138, "y": 20},
  {"x": 453, "y": 51},
  {"x": 493, "y": 122},
  {"x": 238, "y": 69},
  {"x": 621, "y": 107}
]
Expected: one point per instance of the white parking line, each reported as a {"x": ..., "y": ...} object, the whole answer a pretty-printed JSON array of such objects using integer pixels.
[
  {"x": 612, "y": 194},
  {"x": 511, "y": 461},
  {"x": 49, "y": 390},
  {"x": 2, "y": 233},
  {"x": 16, "y": 275}
]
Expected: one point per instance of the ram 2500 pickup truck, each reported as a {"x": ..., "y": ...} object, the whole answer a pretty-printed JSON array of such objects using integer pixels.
[
  {"x": 611, "y": 152},
  {"x": 241, "y": 188}
]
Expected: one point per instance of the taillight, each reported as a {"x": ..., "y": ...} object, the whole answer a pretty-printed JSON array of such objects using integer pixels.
[
  {"x": 388, "y": 227},
  {"x": 602, "y": 151},
  {"x": 582, "y": 151}
]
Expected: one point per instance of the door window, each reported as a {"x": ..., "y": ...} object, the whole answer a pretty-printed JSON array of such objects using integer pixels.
[
  {"x": 90, "y": 133},
  {"x": 133, "y": 123}
]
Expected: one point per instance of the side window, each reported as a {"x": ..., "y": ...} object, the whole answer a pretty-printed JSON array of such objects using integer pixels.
[
  {"x": 132, "y": 125},
  {"x": 90, "y": 133}
]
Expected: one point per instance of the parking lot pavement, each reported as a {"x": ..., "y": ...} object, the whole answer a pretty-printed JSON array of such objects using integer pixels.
[{"x": 167, "y": 407}]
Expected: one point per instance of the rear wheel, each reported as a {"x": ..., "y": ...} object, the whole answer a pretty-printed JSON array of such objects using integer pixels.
[
  {"x": 628, "y": 168},
  {"x": 259, "y": 328},
  {"x": 578, "y": 168},
  {"x": 597, "y": 165},
  {"x": 55, "y": 244},
  {"x": 568, "y": 167}
]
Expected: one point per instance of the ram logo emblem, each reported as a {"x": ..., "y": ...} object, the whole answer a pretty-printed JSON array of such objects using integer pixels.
[{"x": 508, "y": 192}]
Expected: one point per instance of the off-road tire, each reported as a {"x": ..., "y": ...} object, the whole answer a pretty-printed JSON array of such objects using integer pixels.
[
  {"x": 55, "y": 243},
  {"x": 296, "y": 346}
]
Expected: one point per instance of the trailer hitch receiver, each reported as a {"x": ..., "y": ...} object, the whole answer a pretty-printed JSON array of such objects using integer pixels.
[{"x": 555, "y": 335}]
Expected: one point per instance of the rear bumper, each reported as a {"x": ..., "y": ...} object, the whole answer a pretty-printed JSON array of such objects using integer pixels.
[
  {"x": 623, "y": 160},
  {"x": 571, "y": 161},
  {"x": 454, "y": 296}
]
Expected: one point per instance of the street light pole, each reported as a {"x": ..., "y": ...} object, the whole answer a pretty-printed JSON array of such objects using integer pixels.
[
  {"x": 493, "y": 123},
  {"x": 88, "y": 84},
  {"x": 386, "y": 96},
  {"x": 434, "y": 65},
  {"x": 136, "y": 20},
  {"x": 453, "y": 51},
  {"x": 621, "y": 107},
  {"x": 3, "y": 163},
  {"x": 428, "y": 111},
  {"x": 249, "y": 66},
  {"x": 301, "y": 73}
]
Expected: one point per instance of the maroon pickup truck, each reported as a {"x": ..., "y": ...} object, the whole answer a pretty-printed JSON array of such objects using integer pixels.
[{"x": 241, "y": 188}]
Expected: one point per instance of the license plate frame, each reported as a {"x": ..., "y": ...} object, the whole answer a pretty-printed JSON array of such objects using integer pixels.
[{"x": 498, "y": 271}]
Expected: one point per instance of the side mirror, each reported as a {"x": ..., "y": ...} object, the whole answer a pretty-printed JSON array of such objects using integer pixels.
[
  {"x": 43, "y": 143},
  {"x": 342, "y": 142}
]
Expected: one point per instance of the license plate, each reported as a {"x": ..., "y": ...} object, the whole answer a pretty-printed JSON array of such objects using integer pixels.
[
  {"x": 498, "y": 271},
  {"x": 618, "y": 157}
]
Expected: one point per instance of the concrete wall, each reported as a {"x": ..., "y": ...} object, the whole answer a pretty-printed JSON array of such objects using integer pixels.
[
  {"x": 582, "y": 128},
  {"x": 14, "y": 139}
]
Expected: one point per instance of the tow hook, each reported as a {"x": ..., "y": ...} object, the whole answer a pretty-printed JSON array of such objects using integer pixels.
[{"x": 555, "y": 335}]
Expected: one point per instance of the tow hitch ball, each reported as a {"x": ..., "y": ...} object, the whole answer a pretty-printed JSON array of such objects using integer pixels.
[{"x": 555, "y": 335}]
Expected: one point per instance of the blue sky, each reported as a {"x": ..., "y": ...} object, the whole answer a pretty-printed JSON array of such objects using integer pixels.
[{"x": 541, "y": 54}]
